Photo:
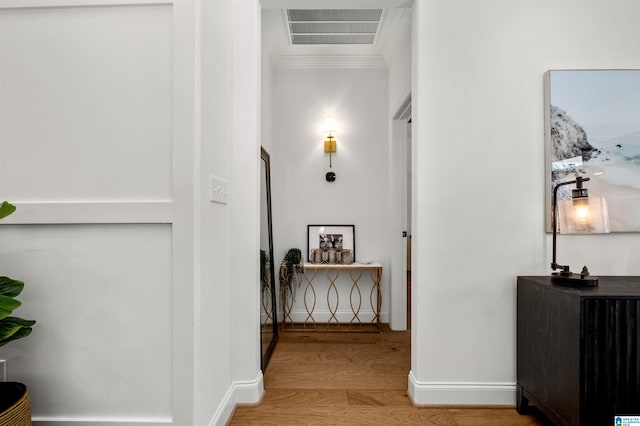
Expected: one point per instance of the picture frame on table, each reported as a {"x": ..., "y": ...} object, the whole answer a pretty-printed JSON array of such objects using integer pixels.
[{"x": 331, "y": 237}]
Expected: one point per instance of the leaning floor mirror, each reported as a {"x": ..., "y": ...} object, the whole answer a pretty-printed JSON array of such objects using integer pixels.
[{"x": 268, "y": 311}]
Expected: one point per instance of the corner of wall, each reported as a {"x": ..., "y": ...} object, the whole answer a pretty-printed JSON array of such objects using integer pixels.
[
  {"x": 240, "y": 392},
  {"x": 461, "y": 393}
]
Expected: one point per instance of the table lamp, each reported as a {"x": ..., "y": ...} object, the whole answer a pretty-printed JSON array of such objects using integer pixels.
[{"x": 580, "y": 214}]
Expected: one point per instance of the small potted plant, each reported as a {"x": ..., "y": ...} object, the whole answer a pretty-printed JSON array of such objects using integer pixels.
[
  {"x": 14, "y": 397},
  {"x": 289, "y": 278}
]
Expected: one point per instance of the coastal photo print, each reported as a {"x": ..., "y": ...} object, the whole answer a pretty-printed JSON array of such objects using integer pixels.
[{"x": 592, "y": 126}]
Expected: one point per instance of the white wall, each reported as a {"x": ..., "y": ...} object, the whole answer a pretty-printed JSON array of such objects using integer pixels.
[
  {"x": 87, "y": 153},
  {"x": 357, "y": 99},
  {"x": 245, "y": 212},
  {"x": 478, "y": 143},
  {"x": 397, "y": 55},
  {"x": 113, "y": 117},
  {"x": 227, "y": 305},
  {"x": 213, "y": 302}
]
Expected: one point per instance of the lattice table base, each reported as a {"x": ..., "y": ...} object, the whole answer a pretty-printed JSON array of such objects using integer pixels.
[{"x": 309, "y": 296}]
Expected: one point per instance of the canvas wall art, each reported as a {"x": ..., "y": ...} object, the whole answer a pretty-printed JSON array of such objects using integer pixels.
[{"x": 592, "y": 122}]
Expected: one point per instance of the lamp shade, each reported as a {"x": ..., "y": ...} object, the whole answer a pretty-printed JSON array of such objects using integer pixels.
[
  {"x": 583, "y": 216},
  {"x": 330, "y": 126}
]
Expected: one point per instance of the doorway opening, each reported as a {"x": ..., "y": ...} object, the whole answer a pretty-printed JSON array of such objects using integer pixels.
[
  {"x": 289, "y": 90},
  {"x": 402, "y": 164}
]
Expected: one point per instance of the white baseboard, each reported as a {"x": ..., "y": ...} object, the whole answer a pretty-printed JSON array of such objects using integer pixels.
[
  {"x": 101, "y": 421},
  {"x": 241, "y": 392},
  {"x": 461, "y": 393}
]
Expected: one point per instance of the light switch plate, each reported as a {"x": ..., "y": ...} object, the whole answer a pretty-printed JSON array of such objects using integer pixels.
[{"x": 219, "y": 190}]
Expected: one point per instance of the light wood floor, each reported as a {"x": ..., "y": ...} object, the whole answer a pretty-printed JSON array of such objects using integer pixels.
[{"x": 320, "y": 378}]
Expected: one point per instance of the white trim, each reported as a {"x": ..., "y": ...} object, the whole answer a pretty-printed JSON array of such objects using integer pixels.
[
  {"x": 92, "y": 212},
  {"x": 398, "y": 201},
  {"x": 225, "y": 409},
  {"x": 27, "y": 4},
  {"x": 331, "y": 61},
  {"x": 241, "y": 392},
  {"x": 402, "y": 106},
  {"x": 287, "y": 28},
  {"x": 334, "y": 4},
  {"x": 380, "y": 22},
  {"x": 101, "y": 421},
  {"x": 461, "y": 393},
  {"x": 198, "y": 339},
  {"x": 183, "y": 273}
]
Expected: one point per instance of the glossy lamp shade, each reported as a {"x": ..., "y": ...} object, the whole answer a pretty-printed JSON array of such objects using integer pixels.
[{"x": 583, "y": 216}]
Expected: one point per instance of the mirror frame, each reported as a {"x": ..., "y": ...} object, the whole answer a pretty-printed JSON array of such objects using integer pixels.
[{"x": 268, "y": 351}]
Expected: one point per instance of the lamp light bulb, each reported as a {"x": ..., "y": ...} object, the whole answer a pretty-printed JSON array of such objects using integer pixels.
[{"x": 582, "y": 213}]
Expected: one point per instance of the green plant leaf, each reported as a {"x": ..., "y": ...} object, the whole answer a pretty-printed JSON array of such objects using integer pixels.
[
  {"x": 7, "y": 305},
  {"x": 10, "y": 287},
  {"x": 18, "y": 321},
  {"x": 16, "y": 334},
  {"x": 8, "y": 329},
  {"x": 12, "y": 328},
  {"x": 6, "y": 209}
]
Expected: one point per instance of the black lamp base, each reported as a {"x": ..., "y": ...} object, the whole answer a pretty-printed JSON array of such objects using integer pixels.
[{"x": 573, "y": 280}]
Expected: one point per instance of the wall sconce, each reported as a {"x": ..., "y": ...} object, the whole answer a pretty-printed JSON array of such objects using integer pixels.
[
  {"x": 329, "y": 132},
  {"x": 578, "y": 215}
]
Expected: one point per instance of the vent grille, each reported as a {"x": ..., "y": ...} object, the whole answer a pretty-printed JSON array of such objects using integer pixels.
[{"x": 333, "y": 26}]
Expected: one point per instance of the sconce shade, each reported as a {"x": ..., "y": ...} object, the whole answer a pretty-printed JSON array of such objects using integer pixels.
[
  {"x": 330, "y": 126},
  {"x": 583, "y": 216}
]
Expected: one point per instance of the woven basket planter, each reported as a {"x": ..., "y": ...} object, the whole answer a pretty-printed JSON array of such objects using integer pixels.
[{"x": 15, "y": 409}]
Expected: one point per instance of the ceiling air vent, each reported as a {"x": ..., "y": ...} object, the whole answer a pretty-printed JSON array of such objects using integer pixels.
[{"x": 333, "y": 26}]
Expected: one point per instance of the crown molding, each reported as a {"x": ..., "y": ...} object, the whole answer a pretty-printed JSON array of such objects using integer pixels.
[
  {"x": 330, "y": 61},
  {"x": 334, "y": 4},
  {"x": 28, "y": 4}
]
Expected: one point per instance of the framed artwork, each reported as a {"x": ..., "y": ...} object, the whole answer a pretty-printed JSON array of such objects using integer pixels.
[
  {"x": 322, "y": 239},
  {"x": 592, "y": 129}
]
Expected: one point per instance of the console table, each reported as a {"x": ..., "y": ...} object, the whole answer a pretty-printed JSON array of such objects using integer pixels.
[
  {"x": 355, "y": 273},
  {"x": 578, "y": 350}
]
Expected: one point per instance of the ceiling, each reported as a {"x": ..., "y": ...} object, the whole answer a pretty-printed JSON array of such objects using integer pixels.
[{"x": 332, "y": 28}]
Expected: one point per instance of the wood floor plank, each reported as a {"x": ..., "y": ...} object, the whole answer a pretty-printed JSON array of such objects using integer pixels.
[
  {"x": 353, "y": 415},
  {"x": 305, "y": 397},
  {"x": 378, "y": 397},
  {"x": 499, "y": 417},
  {"x": 336, "y": 379},
  {"x": 317, "y": 378}
]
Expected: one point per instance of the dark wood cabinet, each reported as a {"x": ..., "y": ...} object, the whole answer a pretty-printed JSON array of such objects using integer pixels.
[{"x": 578, "y": 350}]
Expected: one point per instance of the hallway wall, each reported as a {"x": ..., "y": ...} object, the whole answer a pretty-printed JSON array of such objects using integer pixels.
[
  {"x": 478, "y": 134},
  {"x": 357, "y": 99}
]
